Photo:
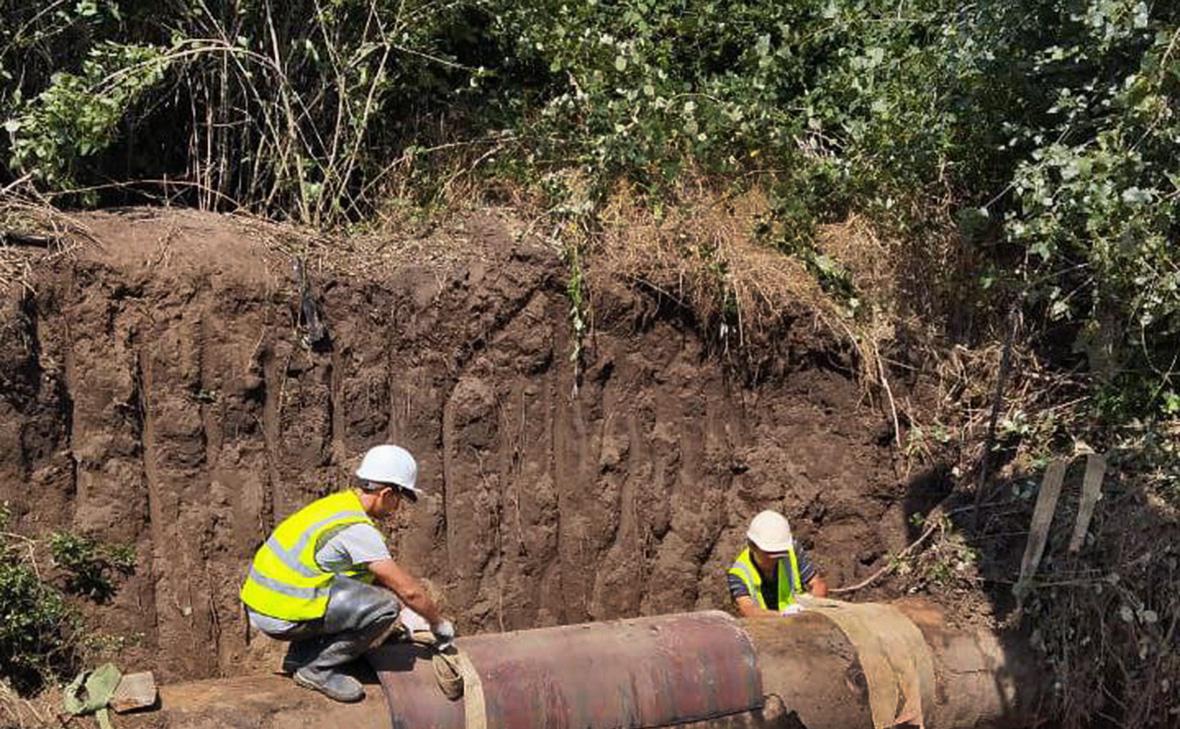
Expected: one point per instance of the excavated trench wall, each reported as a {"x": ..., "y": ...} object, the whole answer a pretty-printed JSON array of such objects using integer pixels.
[{"x": 155, "y": 391}]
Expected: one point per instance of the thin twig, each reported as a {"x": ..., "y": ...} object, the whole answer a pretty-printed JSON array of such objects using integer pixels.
[
  {"x": 889, "y": 394},
  {"x": 934, "y": 524},
  {"x": 997, "y": 403},
  {"x": 16, "y": 183}
]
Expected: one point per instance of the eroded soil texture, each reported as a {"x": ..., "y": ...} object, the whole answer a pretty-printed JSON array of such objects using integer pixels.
[{"x": 160, "y": 387}]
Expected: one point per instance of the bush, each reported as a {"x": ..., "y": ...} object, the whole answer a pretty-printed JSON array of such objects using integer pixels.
[
  {"x": 90, "y": 566},
  {"x": 236, "y": 106},
  {"x": 42, "y": 637},
  {"x": 39, "y": 631},
  {"x": 1031, "y": 141}
]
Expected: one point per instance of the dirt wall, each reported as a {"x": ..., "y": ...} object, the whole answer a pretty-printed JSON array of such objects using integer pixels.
[{"x": 156, "y": 391}]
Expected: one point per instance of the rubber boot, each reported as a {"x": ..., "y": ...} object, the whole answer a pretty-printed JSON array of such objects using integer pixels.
[
  {"x": 300, "y": 653},
  {"x": 358, "y": 617},
  {"x": 333, "y": 684},
  {"x": 323, "y": 674}
]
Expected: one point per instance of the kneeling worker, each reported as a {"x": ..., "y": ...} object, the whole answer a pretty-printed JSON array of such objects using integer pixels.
[
  {"x": 770, "y": 571},
  {"x": 311, "y": 583}
]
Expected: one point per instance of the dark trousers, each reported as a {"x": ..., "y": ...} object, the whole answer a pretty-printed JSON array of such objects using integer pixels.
[{"x": 359, "y": 616}]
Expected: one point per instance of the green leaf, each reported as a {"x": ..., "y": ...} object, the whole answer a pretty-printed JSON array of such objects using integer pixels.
[
  {"x": 1171, "y": 403},
  {"x": 1136, "y": 196}
]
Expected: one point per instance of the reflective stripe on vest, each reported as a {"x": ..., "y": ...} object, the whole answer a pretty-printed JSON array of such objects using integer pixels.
[
  {"x": 301, "y": 593},
  {"x": 285, "y": 581},
  {"x": 789, "y": 583},
  {"x": 290, "y": 557}
]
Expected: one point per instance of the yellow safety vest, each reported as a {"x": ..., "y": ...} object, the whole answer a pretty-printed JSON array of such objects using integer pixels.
[
  {"x": 285, "y": 581},
  {"x": 744, "y": 568}
]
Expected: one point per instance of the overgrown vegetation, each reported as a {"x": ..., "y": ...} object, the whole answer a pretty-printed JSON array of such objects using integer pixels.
[
  {"x": 90, "y": 566},
  {"x": 37, "y": 628},
  {"x": 42, "y": 636},
  {"x": 1013, "y": 162},
  {"x": 1035, "y": 138}
]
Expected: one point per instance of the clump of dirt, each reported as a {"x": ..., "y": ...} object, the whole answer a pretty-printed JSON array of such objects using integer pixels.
[{"x": 159, "y": 388}]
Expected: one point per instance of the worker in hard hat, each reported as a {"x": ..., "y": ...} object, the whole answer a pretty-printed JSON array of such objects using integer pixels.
[
  {"x": 325, "y": 581},
  {"x": 772, "y": 570}
]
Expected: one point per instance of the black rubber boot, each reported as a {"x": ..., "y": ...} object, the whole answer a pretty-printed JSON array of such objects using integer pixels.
[
  {"x": 359, "y": 616},
  {"x": 300, "y": 653},
  {"x": 333, "y": 684},
  {"x": 322, "y": 672}
]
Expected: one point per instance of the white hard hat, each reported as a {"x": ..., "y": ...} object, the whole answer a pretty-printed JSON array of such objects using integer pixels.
[
  {"x": 771, "y": 532},
  {"x": 390, "y": 464}
]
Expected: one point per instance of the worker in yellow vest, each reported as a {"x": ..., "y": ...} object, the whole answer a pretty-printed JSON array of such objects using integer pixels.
[
  {"x": 771, "y": 571},
  {"x": 325, "y": 581}
]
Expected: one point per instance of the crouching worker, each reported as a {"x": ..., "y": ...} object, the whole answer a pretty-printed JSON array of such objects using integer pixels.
[
  {"x": 770, "y": 572},
  {"x": 325, "y": 581}
]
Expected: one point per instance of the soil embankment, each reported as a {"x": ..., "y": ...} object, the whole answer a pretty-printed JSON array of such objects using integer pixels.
[{"x": 157, "y": 390}]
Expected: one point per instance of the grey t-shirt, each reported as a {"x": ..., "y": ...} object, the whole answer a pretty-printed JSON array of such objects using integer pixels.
[{"x": 353, "y": 545}]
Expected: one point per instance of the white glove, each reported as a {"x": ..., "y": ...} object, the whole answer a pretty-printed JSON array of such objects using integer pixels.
[
  {"x": 792, "y": 609},
  {"x": 444, "y": 635}
]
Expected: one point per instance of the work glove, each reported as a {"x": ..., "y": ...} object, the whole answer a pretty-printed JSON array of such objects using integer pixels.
[{"x": 444, "y": 635}]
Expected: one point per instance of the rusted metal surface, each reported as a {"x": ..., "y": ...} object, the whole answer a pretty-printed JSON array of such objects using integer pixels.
[
  {"x": 644, "y": 673},
  {"x": 411, "y": 690},
  {"x": 647, "y": 672}
]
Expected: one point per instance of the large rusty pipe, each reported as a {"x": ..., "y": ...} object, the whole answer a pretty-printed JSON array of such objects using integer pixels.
[
  {"x": 811, "y": 675},
  {"x": 697, "y": 669}
]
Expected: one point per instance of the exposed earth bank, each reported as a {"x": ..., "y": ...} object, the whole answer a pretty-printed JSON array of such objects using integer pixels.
[{"x": 157, "y": 389}]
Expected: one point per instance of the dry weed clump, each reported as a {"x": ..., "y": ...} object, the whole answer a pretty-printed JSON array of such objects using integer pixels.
[
  {"x": 717, "y": 258},
  {"x": 703, "y": 255},
  {"x": 861, "y": 250},
  {"x": 1105, "y": 619},
  {"x": 22, "y": 713},
  {"x": 1036, "y": 405},
  {"x": 32, "y": 230}
]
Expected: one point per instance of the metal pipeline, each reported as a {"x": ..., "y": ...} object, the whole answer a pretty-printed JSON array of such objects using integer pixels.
[
  {"x": 696, "y": 669},
  {"x": 648, "y": 672}
]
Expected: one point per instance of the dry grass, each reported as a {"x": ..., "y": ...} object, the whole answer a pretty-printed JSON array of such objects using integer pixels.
[
  {"x": 703, "y": 254},
  {"x": 34, "y": 713},
  {"x": 864, "y": 253},
  {"x": 437, "y": 245},
  {"x": 712, "y": 255},
  {"x": 23, "y": 216}
]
